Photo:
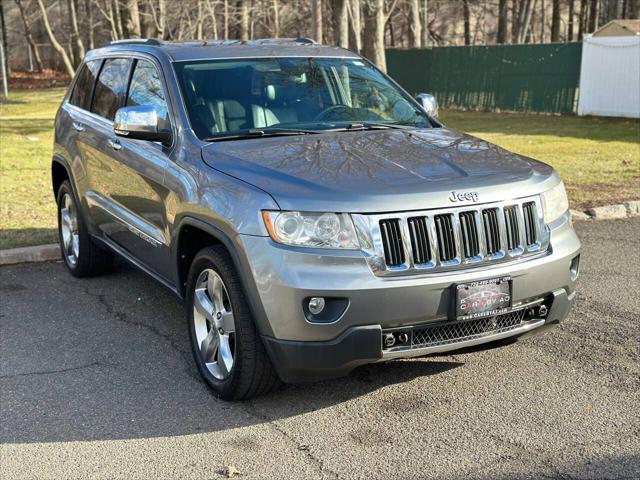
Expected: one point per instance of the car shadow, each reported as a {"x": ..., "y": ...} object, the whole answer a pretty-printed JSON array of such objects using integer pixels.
[{"x": 108, "y": 358}]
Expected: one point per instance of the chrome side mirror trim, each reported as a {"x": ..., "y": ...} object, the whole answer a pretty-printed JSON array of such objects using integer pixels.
[
  {"x": 428, "y": 103},
  {"x": 140, "y": 122}
]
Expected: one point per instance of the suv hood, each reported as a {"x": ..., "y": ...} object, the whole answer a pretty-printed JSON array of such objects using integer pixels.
[{"x": 379, "y": 170}]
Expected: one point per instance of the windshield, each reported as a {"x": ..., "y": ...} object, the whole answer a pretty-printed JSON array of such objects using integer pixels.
[{"x": 232, "y": 97}]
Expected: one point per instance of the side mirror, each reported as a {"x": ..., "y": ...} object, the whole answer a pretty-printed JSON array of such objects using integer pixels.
[
  {"x": 428, "y": 103},
  {"x": 139, "y": 122}
]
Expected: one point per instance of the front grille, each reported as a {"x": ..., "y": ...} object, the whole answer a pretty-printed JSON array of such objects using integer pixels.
[
  {"x": 419, "y": 240},
  {"x": 491, "y": 230},
  {"x": 392, "y": 241},
  {"x": 452, "y": 332},
  {"x": 513, "y": 231},
  {"x": 530, "y": 216},
  {"x": 455, "y": 237},
  {"x": 446, "y": 237},
  {"x": 470, "y": 243}
]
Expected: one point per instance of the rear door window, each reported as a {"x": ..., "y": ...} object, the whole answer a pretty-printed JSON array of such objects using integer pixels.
[
  {"x": 81, "y": 95},
  {"x": 111, "y": 87},
  {"x": 146, "y": 89}
]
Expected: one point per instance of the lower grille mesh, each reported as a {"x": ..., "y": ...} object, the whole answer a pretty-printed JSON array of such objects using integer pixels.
[{"x": 452, "y": 332}]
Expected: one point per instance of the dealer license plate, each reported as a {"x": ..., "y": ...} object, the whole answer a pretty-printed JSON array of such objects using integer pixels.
[{"x": 484, "y": 298}]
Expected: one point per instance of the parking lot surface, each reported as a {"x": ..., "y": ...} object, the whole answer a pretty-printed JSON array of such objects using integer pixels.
[{"x": 97, "y": 381}]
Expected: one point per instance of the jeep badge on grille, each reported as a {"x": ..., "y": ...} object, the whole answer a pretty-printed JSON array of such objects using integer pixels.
[{"x": 464, "y": 196}]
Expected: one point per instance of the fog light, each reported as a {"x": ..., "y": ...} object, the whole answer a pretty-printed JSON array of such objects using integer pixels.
[
  {"x": 316, "y": 305},
  {"x": 575, "y": 268}
]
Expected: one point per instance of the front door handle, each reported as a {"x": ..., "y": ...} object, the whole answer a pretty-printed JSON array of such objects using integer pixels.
[
  {"x": 115, "y": 144},
  {"x": 78, "y": 126}
]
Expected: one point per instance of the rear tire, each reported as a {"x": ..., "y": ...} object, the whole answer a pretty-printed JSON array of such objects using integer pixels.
[
  {"x": 225, "y": 343},
  {"x": 80, "y": 255}
]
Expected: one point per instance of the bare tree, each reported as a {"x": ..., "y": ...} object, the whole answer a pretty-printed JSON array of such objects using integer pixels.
[
  {"x": 76, "y": 39},
  {"x": 555, "y": 21},
  {"x": 131, "y": 19},
  {"x": 415, "y": 25},
  {"x": 316, "y": 20},
  {"x": 244, "y": 20},
  {"x": 503, "y": 11},
  {"x": 593, "y": 16},
  {"x": 276, "y": 18},
  {"x": 26, "y": 23},
  {"x": 425, "y": 22},
  {"x": 543, "y": 21},
  {"x": 355, "y": 17},
  {"x": 467, "y": 22},
  {"x": 570, "y": 21},
  {"x": 341, "y": 22},
  {"x": 375, "y": 19},
  {"x": 54, "y": 41}
]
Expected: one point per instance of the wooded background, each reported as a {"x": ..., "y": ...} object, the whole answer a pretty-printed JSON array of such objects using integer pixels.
[{"x": 55, "y": 34}]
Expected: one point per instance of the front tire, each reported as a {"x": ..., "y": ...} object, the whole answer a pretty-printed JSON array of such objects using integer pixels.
[
  {"x": 225, "y": 343},
  {"x": 81, "y": 256}
]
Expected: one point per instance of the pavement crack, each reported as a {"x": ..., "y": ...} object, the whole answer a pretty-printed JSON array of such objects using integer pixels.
[
  {"x": 273, "y": 424},
  {"x": 60, "y": 370},
  {"x": 122, "y": 317}
]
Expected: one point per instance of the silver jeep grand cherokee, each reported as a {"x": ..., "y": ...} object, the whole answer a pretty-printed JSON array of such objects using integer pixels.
[{"x": 312, "y": 215}]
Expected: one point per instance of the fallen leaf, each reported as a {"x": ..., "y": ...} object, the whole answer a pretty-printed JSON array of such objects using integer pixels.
[{"x": 230, "y": 471}]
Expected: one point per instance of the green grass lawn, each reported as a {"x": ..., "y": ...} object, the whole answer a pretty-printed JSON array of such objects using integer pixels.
[{"x": 598, "y": 158}]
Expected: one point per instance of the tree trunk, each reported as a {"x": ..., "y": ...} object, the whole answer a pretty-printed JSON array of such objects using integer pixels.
[
  {"x": 54, "y": 42},
  {"x": 131, "y": 19},
  {"x": 276, "y": 19},
  {"x": 91, "y": 40},
  {"x": 355, "y": 14},
  {"x": 341, "y": 22},
  {"x": 570, "y": 21},
  {"x": 118, "y": 18},
  {"x": 502, "y": 21},
  {"x": 555, "y": 21},
  {"x": 225, "y": 21},
  {"x": 523, "y": 28},
  {"x": 316, "y": 20},
  {"x": 467, "y": 22},
  {"x": 244, "y": 21},
  {"x": 374, "y": 21},
  {"x": 582, "y": 19},
  {"x": 29, "y": 36},
  {"x": 199, "y": 21},
  {"x": 593, "y": 16},
  {"x": 75, "y": 32},
  {"x": 3, "y": 25},
  {"x": 543, "y": 22},
  {"x": 415, "y": 26},
  {"x": 425, "y": 23}
]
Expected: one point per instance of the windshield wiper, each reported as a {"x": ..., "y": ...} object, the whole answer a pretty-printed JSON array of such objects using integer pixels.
[
  {"x": 369, "y": 126},
  {"x": 261, "y": 132}
]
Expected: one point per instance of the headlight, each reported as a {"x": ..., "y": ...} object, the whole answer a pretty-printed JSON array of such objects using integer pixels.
[
  {"x": 554, "y": 203},
  {"x": 307, "y": 229}
]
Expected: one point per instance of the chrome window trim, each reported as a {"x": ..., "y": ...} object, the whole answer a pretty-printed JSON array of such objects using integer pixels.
[{"x": 368, "y": 228}]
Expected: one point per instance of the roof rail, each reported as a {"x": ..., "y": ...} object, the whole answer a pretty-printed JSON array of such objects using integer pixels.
[
  {"x": 307, "y": 40},
  {"x": 136, "y": 41}
]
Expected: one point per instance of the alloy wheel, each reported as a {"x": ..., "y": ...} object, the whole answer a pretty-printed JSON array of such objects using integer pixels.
[
  {"x": 214, "y": 324},
  {"x": 69, "y": 229}
]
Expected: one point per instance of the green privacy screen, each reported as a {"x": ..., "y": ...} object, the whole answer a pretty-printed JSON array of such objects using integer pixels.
[{"x": 533, "y": 78}]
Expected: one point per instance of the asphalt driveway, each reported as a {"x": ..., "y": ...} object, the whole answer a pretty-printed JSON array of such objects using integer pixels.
[{"x": 96, "y": 380}]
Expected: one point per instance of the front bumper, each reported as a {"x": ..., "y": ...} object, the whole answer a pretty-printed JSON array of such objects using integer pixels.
[{"x": 285, "y": 277}]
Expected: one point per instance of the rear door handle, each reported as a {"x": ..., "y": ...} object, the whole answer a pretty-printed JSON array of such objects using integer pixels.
[
  {"x": 115, "y": 144},
  {"x": 78, "y": 126}
]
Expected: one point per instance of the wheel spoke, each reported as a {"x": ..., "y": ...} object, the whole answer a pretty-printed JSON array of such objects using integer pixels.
[
  {"x": 226, "y": 322},
  {"x": 214, "y": 287},
  {"x": 225, "y": 358},
  {"x": 203, "y": 304},
  {"x": 209, "y": 346}
]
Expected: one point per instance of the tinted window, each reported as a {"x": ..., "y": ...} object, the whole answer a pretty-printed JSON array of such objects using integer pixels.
[
  {"x": 81, "y": 95},
  {"x": 146, "y": 89},
  {"x": 230, "y": 97},
  {"x": 111, "y": 87}
]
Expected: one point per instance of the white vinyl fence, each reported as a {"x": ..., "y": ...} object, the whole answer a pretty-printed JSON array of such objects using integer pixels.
[{"x": 610, "y": 77}]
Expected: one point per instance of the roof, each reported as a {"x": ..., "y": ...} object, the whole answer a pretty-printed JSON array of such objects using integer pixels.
[
  {"x": 220, "y": 49},
  {"x": 619, "y": 28}
]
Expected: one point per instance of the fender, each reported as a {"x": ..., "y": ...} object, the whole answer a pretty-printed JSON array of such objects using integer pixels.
[{"x": 240, "y": 262}]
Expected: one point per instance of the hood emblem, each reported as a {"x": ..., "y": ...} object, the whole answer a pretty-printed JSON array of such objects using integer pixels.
[{"x": 464, "y": 196}]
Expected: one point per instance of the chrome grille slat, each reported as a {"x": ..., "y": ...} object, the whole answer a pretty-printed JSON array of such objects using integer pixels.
[{"x": 452, "y": 238}]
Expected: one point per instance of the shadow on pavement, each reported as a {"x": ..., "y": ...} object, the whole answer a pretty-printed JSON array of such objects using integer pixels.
[{"x": 108, "y": 358}]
